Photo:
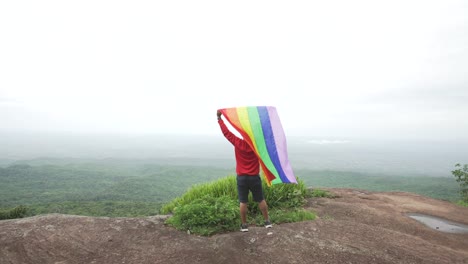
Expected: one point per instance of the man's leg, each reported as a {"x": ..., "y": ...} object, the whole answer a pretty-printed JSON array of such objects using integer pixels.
[
  {"x": 243, "y": 213},
  {"x": 257, "y": 193},
  {"x": 243, "y": 192},
  {"x": 264, "y": 209}
]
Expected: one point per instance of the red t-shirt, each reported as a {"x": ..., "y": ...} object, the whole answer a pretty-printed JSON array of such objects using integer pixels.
[{"x": 246, "y": 160}]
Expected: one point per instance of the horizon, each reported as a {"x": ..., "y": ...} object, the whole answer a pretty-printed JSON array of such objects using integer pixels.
[{"x": 423, "y": 157}]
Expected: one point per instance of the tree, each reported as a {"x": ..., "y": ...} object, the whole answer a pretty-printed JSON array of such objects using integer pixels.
[{"x": 461, "y": 176}]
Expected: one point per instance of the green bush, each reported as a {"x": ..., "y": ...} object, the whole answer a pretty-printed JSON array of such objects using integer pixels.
[
  {"x": 17, "y": 212},
  {"x": 213, "y": 207},
  {"x": 461, "y": 176},
  {"x": 277, "y": 196},
  {"x": 290, "y": 216},
  {"x": 223, "y": 187},
  {"x": 285, "y": 195},
  {"x": 207, "y": 215}
]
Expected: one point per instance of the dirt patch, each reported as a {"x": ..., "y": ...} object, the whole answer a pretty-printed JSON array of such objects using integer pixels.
[{"x": 356, "y": 227}]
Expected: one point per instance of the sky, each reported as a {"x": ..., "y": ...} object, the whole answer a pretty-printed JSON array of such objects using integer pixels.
[{"x": 333, "y": 69}]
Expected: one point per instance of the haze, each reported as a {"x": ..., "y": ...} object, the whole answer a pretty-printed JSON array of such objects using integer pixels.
[
  {"x": 360, "y": 86},
  {"x": 380, "y": 69}
]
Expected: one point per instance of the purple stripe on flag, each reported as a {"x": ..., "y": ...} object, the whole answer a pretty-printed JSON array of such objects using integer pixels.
[{"x": 280, "y": 142}]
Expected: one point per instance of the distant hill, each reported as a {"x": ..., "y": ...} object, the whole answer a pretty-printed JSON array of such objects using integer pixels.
[
  {"x": 114, "y": 187},
  {"x": 434, "y": 158}
]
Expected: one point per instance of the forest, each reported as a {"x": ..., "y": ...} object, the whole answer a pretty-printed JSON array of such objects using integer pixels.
[{"x": 133, "y": 188}]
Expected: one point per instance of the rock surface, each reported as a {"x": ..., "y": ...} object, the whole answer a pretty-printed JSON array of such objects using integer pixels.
[{"x": 356, "y": 227}]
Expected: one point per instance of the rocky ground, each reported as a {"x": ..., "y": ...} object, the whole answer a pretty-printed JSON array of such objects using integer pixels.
[{"x": 356, "y": 227}]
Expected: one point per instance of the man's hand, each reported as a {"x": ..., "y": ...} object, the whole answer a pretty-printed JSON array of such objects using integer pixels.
[{"x": 218, "y": 113}]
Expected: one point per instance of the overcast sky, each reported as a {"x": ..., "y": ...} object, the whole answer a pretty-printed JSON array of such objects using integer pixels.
[{"x": 382, "y": 69}]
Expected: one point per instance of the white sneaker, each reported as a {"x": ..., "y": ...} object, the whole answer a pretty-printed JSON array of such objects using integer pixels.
[{"x": 244, "y": 228}]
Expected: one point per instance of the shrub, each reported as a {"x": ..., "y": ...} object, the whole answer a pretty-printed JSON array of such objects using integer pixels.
[
  {"x": 17, "y": 212},
  {"x": 207, "y": 215},
  {"x": 461, "y": 176},
  {"x": 290, "y": 216},
  {"x": 223, "y": 187},
  {"x": 277, "y": 196},
  {"x": 213, "y": 207},
  {"x": 285, "y": 195}
]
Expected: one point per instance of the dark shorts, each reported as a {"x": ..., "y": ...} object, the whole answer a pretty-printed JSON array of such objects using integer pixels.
[{"x": 249, "y": 183}]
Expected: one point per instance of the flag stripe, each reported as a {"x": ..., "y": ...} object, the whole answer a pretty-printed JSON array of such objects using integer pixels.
[
  {"x": 280, "y": 143},
  {"x": 270, "y": 136},
  {"x": 260, "y": 143},
  {"x": 260, "y": 126}
]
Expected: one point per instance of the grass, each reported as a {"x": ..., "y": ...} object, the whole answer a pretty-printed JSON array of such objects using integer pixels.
[
  {"x": 206, "y": 215},
  {"x": 321, "y": 193},
  {"x": 219, "y": 188},
  {"x": 210, "y": 208}
]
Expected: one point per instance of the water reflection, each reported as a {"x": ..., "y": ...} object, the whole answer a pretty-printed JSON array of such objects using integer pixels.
[{"x": 440, "y": 224}]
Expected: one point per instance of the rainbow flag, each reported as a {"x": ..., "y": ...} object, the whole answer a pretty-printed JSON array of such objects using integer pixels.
[{"x": 260, "y": 126}]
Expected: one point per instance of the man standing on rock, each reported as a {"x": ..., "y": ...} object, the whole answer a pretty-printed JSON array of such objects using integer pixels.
[{"x": 248, "y": 178}]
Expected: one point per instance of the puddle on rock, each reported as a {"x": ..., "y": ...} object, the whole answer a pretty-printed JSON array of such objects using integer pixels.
[{"x": 440, "y": 224}]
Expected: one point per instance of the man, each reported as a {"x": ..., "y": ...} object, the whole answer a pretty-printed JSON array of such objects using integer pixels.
[{"x": 248, "y": 178}]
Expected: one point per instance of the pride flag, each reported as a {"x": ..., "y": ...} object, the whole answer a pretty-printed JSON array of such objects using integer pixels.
[{"x": 260, "y": 126}]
